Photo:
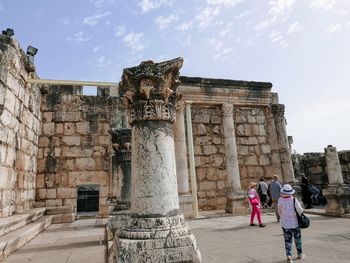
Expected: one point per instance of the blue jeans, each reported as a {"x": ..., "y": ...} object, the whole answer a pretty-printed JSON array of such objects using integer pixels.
[{"x": 288, "y": 239}]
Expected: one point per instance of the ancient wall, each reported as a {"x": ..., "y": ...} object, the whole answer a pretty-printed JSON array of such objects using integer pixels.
[
  {"x": 209, "y": 157},
  {"x": 253, "y": 146},
  {"x": 313, "y": 165},
  {"x": 260, "y": 136},
  {"x": 20, "y": 119},
  {"x": 75, "y": 145}
]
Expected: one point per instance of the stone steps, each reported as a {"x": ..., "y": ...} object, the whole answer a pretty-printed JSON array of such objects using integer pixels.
[
  {"x": 14, "y": 222},
  {"x": 19, "y": 237},
  {"x": 61, "y": 214}
]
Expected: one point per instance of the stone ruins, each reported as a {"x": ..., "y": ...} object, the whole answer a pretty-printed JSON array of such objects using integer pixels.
[{"x": 147, "y": 152}]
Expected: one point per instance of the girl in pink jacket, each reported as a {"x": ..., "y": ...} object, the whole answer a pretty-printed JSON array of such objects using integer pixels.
[{"x": 254, "y": 202}]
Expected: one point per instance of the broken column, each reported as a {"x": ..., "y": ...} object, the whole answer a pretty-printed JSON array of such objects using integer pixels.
[
  {"x": 121, "y": 139},
  {"x": 284, "y": 150},
  {"x": 185, "y": 198},
  {"x": 235, "y": 197},
  {"x": 156, "y": 231},
  {"x": 337, "y": 193}
]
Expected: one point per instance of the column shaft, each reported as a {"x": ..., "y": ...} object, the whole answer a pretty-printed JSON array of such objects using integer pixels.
[{"x": 285, "y": 154}]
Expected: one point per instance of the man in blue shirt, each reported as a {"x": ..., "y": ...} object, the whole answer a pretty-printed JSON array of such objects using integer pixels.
[{"x": 275, "y": 191}]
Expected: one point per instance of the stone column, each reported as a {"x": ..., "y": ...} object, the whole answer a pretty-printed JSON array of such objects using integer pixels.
[
  {"x": 337, "y": 193},
  {"x": 120, "y": 212},
  {"x": 235, "y": 196},
  {"x": 284, "y": 150},
  {"x": 156, "y": 231},
  {"x": 185, "y": 198}
]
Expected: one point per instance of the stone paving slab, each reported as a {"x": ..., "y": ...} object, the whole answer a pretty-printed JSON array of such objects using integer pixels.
[
  {"x": 80, "y": 241},
  {"x": 221, "y": 240},
  {"x": 231, "y": 239}
]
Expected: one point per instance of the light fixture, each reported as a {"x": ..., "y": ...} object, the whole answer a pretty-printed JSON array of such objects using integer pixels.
[
  {"x": 31, "y": 51},
  {"x": 8, "y": 32}
]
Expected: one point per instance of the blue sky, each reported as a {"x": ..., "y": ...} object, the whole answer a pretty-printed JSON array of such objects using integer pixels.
[{"x": 301, "y": 46}]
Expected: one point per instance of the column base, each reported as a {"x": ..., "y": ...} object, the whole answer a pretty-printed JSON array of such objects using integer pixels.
[
  {"x": 236, "y": 203},
  {"x": 338, "y": 199},
  {"x": 185, "y": 201},
  {"x": 162, "y": 239}
]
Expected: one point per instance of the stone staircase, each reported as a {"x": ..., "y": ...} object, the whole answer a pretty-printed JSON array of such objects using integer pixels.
[
  {"x": 61, "y": 214},
  {"x": 17, "y": 230}
]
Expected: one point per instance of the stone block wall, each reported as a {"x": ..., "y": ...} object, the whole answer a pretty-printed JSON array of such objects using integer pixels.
[
  {"x": 20, "y": 119},
  {"x": 313, "y": 165},
  {"x": 253, "y": 145},
  {"x": 253, "y": 148},
  {"x": 75, "y": 145},
  {"x": 209, "y": 157}
]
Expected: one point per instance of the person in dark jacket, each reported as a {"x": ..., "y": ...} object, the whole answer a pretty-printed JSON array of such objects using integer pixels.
[{"x": 305, "y": 192}]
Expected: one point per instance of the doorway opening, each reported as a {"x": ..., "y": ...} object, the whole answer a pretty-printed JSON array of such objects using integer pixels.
[{"x": 88, "y": 198}]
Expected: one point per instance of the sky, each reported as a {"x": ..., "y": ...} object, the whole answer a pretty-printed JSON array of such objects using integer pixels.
[{"x": 301, "y": 46}]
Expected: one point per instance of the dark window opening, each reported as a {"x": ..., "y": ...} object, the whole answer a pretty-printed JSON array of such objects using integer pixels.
[{"x": 88, "y": 198}]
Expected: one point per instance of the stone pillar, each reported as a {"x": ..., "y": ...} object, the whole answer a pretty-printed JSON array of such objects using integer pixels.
[
  {"x": 120, "y": 212},
  {"x": 337, "y": 193},
  {"x": 284, "y": 150},
  {"x": 185, "y": 198},
  {"x": 235, "y": 196},
  {"x": 156, "y": 231}
]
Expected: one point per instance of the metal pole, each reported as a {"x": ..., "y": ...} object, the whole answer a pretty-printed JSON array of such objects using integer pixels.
[{"x": 191, "y": 158}]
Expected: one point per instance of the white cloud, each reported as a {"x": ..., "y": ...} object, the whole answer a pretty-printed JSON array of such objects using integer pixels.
[
  {"x": 224, "y": 32},
  {"x": 185, "y": 26},
  {"x": 206, "y": 16},
  {"x": 64, "y": 21},
  {"x": 243, "y": 14},
  {"x": 275, "y": 36},
  {"x": 335, "y": 28},
  {"x": 79, "y": 37},
  {"x": 278, "y": 12},
  {"x": 221, "y": 53},
  {"x": 102, "y": 62},
  {"x": 263, "y": 24},
  {"x": 133, "y": 40},
  {"x": 149, "y": 5},
  {"x": 97, "y": 48},
  {"x": 94, "y": 20},
  {"x": 322, "y": 4},
  {"x": 119, "y": 30},
  {"x": 280, "y": 9},
  {"x": 293, "y": 28},
  {"x": 97, "y": 3},
  {"x": 164, "y": 22},
  {"x": 231, "y": 3}
]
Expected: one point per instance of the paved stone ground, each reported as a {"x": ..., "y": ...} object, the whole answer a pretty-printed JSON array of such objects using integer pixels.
[
  {"x": 221, "y": 240},
  {"x": 80, "y": 241},
  {"x": 231, "y": 239}
]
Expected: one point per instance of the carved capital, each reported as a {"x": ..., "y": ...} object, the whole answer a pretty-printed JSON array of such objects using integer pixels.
[
  {"x": 227, "y": 110},
  {"x": 180, "y": 107},
  {"x": 121, "y": 139},
  {"x": 149, "y": 90}
]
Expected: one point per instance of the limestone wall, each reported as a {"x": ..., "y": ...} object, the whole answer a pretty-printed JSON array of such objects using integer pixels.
[
  {"x": 253, "y": 148},
  {"x": 209, "y": 157},
  {"x": 75, "y": 145},
  {"x": 20, "y": 119},
  {"x": 313, "y": 165}
]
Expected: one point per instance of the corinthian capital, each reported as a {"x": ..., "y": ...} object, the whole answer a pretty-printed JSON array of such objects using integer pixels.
[
  {"x": 227, "y": 110},
  {"x": 149, "y": 80},
  {"x": 149, "y": 90}
]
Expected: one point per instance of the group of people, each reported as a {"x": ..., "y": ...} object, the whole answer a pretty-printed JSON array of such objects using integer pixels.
[{"x": 286, "y": 207}]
